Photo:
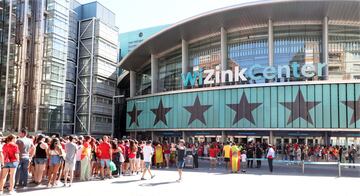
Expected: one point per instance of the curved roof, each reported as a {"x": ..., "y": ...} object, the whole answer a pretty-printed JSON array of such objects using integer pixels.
[{"x": 242, "y": 15}]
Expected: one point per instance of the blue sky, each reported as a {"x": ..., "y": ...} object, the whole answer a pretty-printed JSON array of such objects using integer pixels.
[{"x": 137, "y": 14}]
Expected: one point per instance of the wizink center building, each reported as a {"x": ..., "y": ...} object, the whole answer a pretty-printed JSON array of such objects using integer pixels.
[{"x": 274, "y": 71}]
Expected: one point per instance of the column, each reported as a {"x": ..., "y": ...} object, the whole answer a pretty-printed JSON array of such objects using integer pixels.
[
  {"x": 152, "y": 135},
  {"x": 224, "y": 52},
  {"x": 184, "y": 58},
  {"x": 154, "y": 74},
  {"x": 271, "y": 138},
  {"x": 183, "y": 135},
  {"x": 223, "y": 136},
  {"x": 325, "y": 40},
  {"x": 132, "y": 83},
  {"x": 271, "y": 43}
]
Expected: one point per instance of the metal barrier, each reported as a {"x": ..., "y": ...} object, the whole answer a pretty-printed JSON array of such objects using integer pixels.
[{"x": 303, "y": 163}]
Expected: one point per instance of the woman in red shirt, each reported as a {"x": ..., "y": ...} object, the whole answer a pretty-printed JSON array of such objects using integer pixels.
[
  {"x": 212, "y": 154},
  {"x": 132, "y": 156},
  {"x": 11, "y": 162}
]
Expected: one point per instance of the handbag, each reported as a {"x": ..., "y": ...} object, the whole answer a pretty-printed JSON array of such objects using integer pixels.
[{"x": 112, "y": 166}]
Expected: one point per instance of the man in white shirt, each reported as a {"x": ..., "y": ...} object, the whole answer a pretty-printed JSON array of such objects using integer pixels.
[
  {"x": 270, "y": 156},
  {"x": 148, "y": 152}
]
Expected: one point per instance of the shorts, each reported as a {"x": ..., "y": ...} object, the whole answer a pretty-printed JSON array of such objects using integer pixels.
[
  {"x": 69, "y": 166},
  {"x": 11, "y": 165},
  {"x": 213, "y": 158},
  {"x": 180, "y": 164},
  {"x": 147, "y": 165},
  {"x": 54, "y": 160},
  {"x": 226, "y": 159},
  {"x": 167, "y": 156},
  {"x": 132, "y": 159},
  {"x": 104, "y": 162},
  {"x": 39, "y": 161}
]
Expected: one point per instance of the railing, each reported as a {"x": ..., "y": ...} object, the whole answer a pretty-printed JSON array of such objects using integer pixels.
[{"x": 303, "y": 163}]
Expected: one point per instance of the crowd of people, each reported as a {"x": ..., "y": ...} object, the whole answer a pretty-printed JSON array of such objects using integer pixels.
[{"x": 56, "y": 161}]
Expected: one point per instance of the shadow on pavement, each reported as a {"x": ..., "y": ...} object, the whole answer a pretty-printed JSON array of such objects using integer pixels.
[
  {"x": 124, "y": 182},
  {"x": 158, "y": 183}
]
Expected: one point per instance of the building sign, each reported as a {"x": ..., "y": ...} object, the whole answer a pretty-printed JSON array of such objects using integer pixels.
[{"x": 256, "y": 72}]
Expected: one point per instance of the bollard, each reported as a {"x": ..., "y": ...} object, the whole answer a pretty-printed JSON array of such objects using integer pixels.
[
  {"x": 339, "y": 166},
  {"x": 303, "y": 167}
]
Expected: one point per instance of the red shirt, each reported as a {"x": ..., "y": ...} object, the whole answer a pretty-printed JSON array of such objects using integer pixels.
[
  {"x": 9, "y": 151},
  {"x": 212, "y": 152},
  {"x": 132, "y": 155},
  {"x": 122, "y": 147},
  {"x": 105, "y": 150}
]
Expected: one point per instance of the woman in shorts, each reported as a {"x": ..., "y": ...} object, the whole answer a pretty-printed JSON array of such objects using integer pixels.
[
  {"x": 40, "y": 158},
  {"x": 11, "y": 162},
  {"x": 56, "y": 153}
]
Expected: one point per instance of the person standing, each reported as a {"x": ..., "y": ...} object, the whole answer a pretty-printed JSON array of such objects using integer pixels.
[
  {"x": 70, "y": 160},
  {"x": 159, "y": 155},
  {"x": 85, "y": 167},
  {"x": 250, "y": 155},
  {"x": 235, "y": 158},
  {"x": 212, "y": 156},
  {"x": 11, "y": 161},
  {"x": 148, "y": 152},
  {"x": 105, "y": 157},
  {"x": 270, "y": 156},
  {"x": 27, "y": 150},
  {"x": 56, "y": 153},
  {"x": 352, "y": 154},
  {"x": 226, "y": 153},
  {"x": 259, "y": 154},
  {"x": 180, "y": 151},
  {"x": 40, "y": 158},
  {"x": 166, "y": 148}
]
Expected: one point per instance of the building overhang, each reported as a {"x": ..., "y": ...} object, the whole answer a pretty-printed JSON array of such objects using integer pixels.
[{"x": 238, "y": 16}]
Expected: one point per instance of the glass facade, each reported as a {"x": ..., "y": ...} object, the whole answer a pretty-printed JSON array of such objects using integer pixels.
[
  {"x": 143, "y": 82},
  {"x": 170, "y": 72},
  {"x": 247, "y": 48},
  {"x": 297, "y": 43},
  {"x": 205, "y": 54},
  {"x": 54, "y": 67},
  {"x": 344, "y": 52}
]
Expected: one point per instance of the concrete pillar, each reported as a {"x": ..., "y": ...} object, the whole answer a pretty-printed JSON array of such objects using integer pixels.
[
  {"x": 326, "y": 138},
  {"x": 271, "y": 43},
  {"x": 132, "y": 83},
  {"x": 325, "y": 40},
  {"x": 152, "y": 135},
  {"x": 223, "y": 137},
  {"x": 271, "y": 138},
  {"x": 154, "y": 74},
  {"x": 224, "y": 52},
  {"x": 183, "y": 136},
  {"x": 184, "y": 58}
]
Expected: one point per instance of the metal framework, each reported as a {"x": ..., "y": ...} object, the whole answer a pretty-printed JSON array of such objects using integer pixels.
[{"x": 81, "y": 75}]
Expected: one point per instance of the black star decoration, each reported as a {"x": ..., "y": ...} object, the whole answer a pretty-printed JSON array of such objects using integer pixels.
[
  {"x": 134, "y": 115},
  {"x": 197, "y": 111},
  {"x": 300, "y": 108},
  {"x": 160, "y": 113},
  {"x": 243, "y": 109},
  {"x": 355, "y": 105}
]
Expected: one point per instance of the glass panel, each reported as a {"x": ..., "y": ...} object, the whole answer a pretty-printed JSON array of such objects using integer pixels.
[
  {"x": 170, "y": 72},
  {"x": 344, "y": 52}
]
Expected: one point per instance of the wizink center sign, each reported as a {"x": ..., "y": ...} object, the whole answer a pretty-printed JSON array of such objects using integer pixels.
[{"x": 256, "y": 72}]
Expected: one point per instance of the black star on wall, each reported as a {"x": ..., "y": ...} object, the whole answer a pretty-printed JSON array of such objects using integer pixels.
[
  {"x": 300, "y": 108},
  {"x": 134, "y": 115},
  {"x": 197, "y": 111},
  {"x": 160, "y": 113},
  {"x": 243, "y": 109},
  {"x": 355, "y": 105}
]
